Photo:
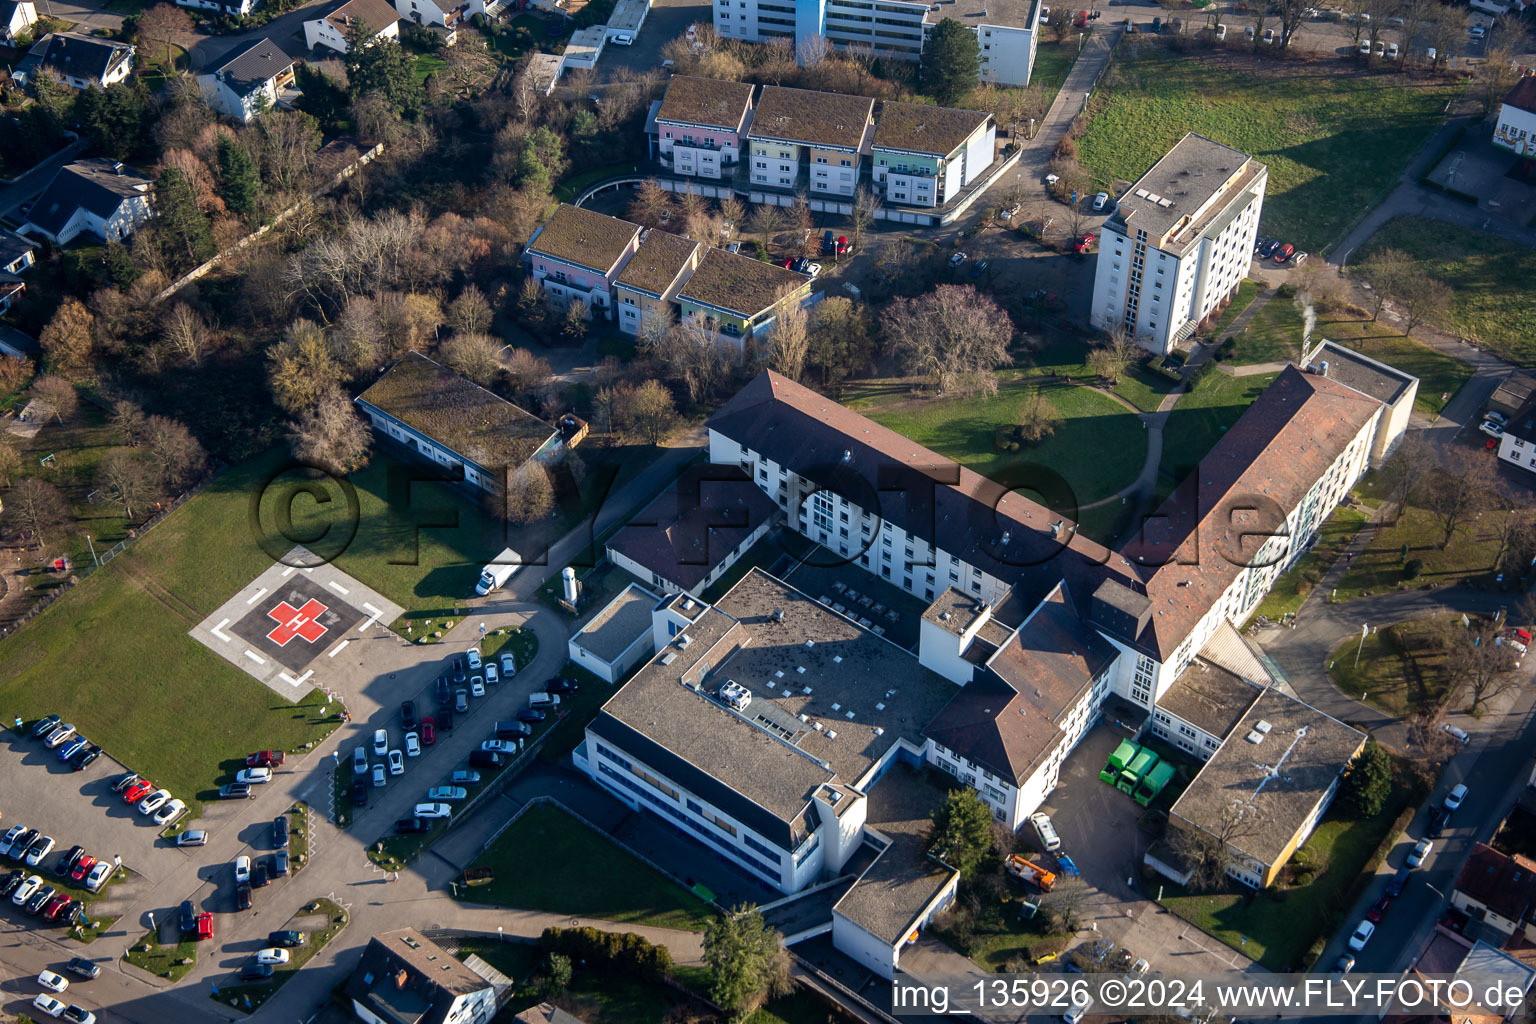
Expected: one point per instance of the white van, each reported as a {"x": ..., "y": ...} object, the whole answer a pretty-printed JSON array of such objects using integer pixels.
[
  {"x": 1045, "y": 831},
  {"x": 546, "y": 701}
]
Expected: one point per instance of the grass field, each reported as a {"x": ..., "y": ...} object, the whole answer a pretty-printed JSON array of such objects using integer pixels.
[
  {"x": 172, "y": 962},
  {"x": 1469, "y": 555},
  {"x": 549, "y": 861},
  {"x": 1274, "y": 334},
  {"x": 112, "y": 654},
  {"x": 1293, "y": 586},
  {"x": 1493, "y": 302},
  {"x": 1141, "y": 386},
  {"x": 1278, "y": 933},
  {"x": 1097, "y": 449},
  {"x": 1247, "y": 291},
  {"x": 1203, "y": 414},
  {"x": 1333, "y": 135},
  {"x": 1401, "y": 668}
]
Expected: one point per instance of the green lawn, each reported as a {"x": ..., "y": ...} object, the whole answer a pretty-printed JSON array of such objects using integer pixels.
[
  {"x": 1280, "y": 932},
  {"x": 422, "y": 544},
  {"x": 1293, "y": 586},
  {"x": 1333, "y": 135},
  {"x": 549, "y": 861},
  {"x": 1247, "y": 291},
  {"x": 1493, "y": 302},
  {"x": 1053, "y": 62},
  {"x": 118, "y": 641},
  {"x": 1203, "y": 414},
  {"x": 172, "y": 962},
  {"x": 251, "y": 997},
  {"x": 427, "y": 64},
  {"x": 1401, "y": 668},
  {"x": 1098, "y": 447},
  {"x": 1140, "y": 385},
  {"x": 1380, "y": 567},
  {"x": 1274, "y": 334}
]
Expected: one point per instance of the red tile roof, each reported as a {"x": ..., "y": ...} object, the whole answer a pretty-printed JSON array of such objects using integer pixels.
[{"x": 1505, "y": 885}]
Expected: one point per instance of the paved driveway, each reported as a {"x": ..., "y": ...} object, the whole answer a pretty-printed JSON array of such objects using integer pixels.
[
  {"x": 668, "y": 20},
  {"x": 1097, "y": 824}
]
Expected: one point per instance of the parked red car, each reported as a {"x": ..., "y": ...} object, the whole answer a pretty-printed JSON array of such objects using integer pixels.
[
  {"x": 1081, "y": 21},
  {"x": 82, "y": 868},
  {"x": 1086, "y": 243},
  {"x": 205, "y": 925},
  {"x": 265, "y": 759},
  {"x": 1379, "y": 908},
  {"x": 136, "y": 792},
  {"x": 1284, "y": 253},
  {"x": 428, "y": 731}
]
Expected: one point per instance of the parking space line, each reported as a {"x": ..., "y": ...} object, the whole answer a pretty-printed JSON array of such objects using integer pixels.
[
  {"x": 222, "y": 636},
  {"x": 258, "y": 659},
  {"x": 337, "y": 649},
  {"x": 338, "y": 587},
  {"x": 256, "y": 596},
  {"x": 288, "y": 571},
  {"x": 372, "y": 619}
]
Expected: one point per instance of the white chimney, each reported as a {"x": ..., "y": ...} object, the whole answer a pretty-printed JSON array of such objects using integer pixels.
[{"x": 568, "y": 578}]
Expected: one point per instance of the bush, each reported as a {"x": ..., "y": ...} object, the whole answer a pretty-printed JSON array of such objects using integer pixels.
[
  {"x": 1413, "y": 568},
  {"x": 627, "y": 953}
]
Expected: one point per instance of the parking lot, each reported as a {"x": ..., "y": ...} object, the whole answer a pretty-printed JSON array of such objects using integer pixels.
[
  {"x": 1098, "y": 828},
  {"x": 668, "y": 20}
]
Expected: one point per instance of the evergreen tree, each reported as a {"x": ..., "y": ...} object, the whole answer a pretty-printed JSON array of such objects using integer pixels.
[
  {"x": 961, "y": 833},
  {"x": 115, "y": 119},
  {"x": 1368, "y": 782},
  {"x": 951, "y": 62},
  {"x": 745, "y": 960},
  {"x": 320, "y": 96},
  {"x": 381, "y": 66},
  {"x": 239, "y": 181},
  {"x": 184, "y": 228}
]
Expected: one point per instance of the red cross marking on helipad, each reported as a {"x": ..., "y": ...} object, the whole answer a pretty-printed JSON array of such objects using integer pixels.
[{"x": 292, "y": 622}]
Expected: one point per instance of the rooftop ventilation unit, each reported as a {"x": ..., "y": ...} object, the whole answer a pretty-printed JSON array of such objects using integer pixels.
[
  {"x": 831, "y": 734},
  {"x": 778, "y": 615},
  {"x": 1254, "y": 737},
  {"x": 669, "y": 657},
  {"x": 837, "y": 659},
  {"x": 687, "y": 604},
  {"x": 1262, "y": 727},
  {"x": 683, "y": 640},
  {"x": 810, "y": 643},
  {"x": 847, "y": 455}
]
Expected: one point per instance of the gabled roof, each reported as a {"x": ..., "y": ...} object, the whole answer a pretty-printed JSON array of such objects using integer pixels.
[
  {"x": 376, "y": 14},
  {"x": 998, "y": 530},
  {"x": 248, "y": 67},
  {"x": 810, "y": 118},
  {"x": 1193, "y": 547},
  {"x": 481, "y": 427},
  {"x": 1523, "y": 95},
  {"x": 13, "y": 247},
  {"x": 685, "y": 532},
  {"x": 706, "y": 102},
  {"x": 584, "y": 238},
  {"x": 924, "y": 128},
  {"x": 987, "y": 724},
  {"x": 1505, "y": 885},
  {"x": 99, "y": 186},
  {"x": 78, "y": 56}
]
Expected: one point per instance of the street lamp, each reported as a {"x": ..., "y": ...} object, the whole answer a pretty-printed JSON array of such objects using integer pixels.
[{"x": 1080, "y": 37}]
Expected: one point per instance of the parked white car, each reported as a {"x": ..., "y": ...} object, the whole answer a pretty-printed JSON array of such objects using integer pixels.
[
  {"x": 1361, "y": 936},
  {"x": 412, "y": 745},
  {"x": 49, "y": 1005},
  {"x": 380, "y": 743},
  {"x": 1454, "y": 798},
  {"x": 1045, "y": 831},
  {"x": 432, "y": 810},
  {"x": 53, "y": 982},
  {"x": 272, "y": 955},
  {"x": 156, "y": 800},
  {"x": 242, "y": 868},
  {"x": 170, "y": 812}
]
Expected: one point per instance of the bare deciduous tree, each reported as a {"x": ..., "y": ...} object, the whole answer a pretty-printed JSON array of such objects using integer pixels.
[
  {"x": 1407, "y": 470},
  {"x": 470, "y": 313},
  {"x": 69, "y": 336},
  {"x": 332, "y": 435},
  {"x": 790, "y": 338},
  {"x": 476, "y": 356},
  {"x": 58, "y": 394},
  {"x": 694, "y": 353},
  {"x": 526, "y": 371},
  {"x": 10, "y": 464},
  {"x": 125, "y": 480},
  {"x": 953, "y": 336},
  {"x": 1209, "y": 851},
  {"x": 1037, "y": 418},
  {"x": 1422, "y": 300},
  {"x": 652, "y": 204},
  {"x": 1114, "y": 356},
  {"x": 180, "y": 457},
  {"x": 649, "y": 411},
  {"x": 1460, "y": 490},
  {"x": 530, "y": 496},
  {"x": 865, "y": 203},
  {"x": 1475, "y": 664},
  {"x": 164, "y": 24},
  {"x": 35, "y": 507},
  {"x": 14, "y": 373},
  {"x": 186, "y": 333}
]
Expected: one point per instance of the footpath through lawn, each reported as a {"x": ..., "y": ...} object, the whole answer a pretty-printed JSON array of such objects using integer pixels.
[{"x": 1335, "y": 135}]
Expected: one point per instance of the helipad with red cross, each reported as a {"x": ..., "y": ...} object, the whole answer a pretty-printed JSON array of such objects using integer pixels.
[{"x": 287, "y": 626}]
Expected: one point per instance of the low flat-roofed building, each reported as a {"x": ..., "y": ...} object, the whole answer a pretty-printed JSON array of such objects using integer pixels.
[
  {"x": 1393, "y": 388},
  {"x": 694, "y": 531},
  {"x": 1276, "y": 773},
  {"x": 757, "y": 724},
  {"x": 455, "y": 424},
  {"x": 904, "y": 889},
  {"x": 618, "y": 637},
  {"x": 740, "y": 296},
  {"x": 1202, "y": 707},
  {"x": 1517, "y": 388}
]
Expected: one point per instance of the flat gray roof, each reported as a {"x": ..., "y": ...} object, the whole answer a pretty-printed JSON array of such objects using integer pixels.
[
  {"x": 1366, "y": 375},
  {"x": 1176, "y": 199},
  {"x": 619, "y": 624},
  {"x": 1277, "y": 781},
  {"x": 901, "y": 883},
  {"x": 808, "y": 661},
  {"x": 1209, "y": 697},
  {"x": 1007, "y": 13}
]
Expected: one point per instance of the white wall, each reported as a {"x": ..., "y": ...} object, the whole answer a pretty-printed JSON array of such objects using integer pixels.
[
  {"x": 876, "y": 954},
  {"x": 1011, "y": 59},
  {"x": 1518, "y": 453}
]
